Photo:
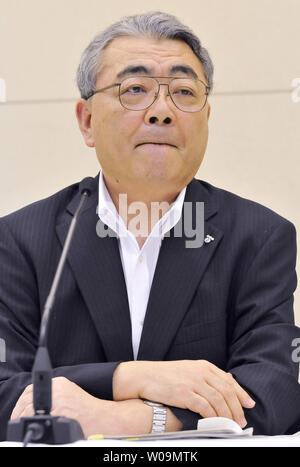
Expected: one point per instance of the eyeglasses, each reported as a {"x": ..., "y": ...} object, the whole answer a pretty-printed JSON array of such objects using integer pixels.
[{"x": 139, "y": 92}]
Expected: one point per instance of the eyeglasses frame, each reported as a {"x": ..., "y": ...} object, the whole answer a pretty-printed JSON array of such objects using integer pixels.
[{"x": 207, "y": 88}]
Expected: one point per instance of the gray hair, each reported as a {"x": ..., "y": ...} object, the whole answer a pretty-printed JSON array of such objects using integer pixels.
[{"x": 154, "y": 24}]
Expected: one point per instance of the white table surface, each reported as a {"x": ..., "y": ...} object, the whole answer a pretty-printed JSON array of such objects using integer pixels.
[{"x": 254, "y": 441}]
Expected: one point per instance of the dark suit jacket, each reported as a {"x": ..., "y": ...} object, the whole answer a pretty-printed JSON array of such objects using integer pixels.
[{"x": 229, "y": 302}]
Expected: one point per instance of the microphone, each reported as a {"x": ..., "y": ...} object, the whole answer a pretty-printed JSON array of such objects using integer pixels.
[{"x": 43, "y": 427}]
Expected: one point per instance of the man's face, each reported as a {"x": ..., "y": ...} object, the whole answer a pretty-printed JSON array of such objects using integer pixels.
[{"x": 117, "y": 133}]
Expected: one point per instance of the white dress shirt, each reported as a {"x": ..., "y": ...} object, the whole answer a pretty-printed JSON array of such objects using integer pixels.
[{"x": 138, "y": 264}]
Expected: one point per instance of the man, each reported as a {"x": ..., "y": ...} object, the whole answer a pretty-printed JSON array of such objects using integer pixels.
[{"x": 204, "y": 331}]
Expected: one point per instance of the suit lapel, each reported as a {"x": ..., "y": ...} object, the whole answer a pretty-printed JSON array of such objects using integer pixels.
[
  {"x": 178, "y": 273},
  {"x": 97, "y": 267}
]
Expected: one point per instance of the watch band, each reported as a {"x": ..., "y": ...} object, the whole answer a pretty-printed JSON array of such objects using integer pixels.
[{"x": 159, "y": 417}]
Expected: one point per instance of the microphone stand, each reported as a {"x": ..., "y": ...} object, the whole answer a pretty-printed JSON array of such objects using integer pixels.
[{"x": 43, "y": 427}]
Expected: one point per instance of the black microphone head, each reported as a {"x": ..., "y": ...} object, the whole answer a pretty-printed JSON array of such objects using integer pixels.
[{"x": 87, "y": 185}]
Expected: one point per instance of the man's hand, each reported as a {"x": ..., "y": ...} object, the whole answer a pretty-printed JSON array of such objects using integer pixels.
[
  {"x": 69, "y": 400},
  {"x": 197, "y": 385},
  {"x": 96, "y": 416}
]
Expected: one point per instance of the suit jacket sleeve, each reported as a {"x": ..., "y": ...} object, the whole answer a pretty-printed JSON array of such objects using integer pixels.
[
  {"x": 19, "y": 329},
  {"x": 261, "y": 349}
]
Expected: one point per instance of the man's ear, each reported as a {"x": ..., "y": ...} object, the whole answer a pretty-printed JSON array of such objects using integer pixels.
[{"x": 83, "y": 114}]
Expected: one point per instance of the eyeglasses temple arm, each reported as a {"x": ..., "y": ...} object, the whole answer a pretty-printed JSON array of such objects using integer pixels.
[{"x": 100, "y": 90}]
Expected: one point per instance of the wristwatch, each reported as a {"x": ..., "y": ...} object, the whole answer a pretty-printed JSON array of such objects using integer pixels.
[{"x": 159, "y": 416}]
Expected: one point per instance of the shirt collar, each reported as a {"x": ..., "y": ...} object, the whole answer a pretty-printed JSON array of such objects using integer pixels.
[{"x": 110, "y": 216}]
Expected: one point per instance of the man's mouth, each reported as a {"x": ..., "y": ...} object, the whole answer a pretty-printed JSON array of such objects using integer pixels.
[{"x": 160, "y": 144}]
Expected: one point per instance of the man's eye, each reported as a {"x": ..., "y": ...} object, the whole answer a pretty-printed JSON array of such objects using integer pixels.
[
  {"x": 185, "y": 92},
  {"x": 135, "y": 90}
]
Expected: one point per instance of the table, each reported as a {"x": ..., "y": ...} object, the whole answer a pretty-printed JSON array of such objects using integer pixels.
[{"x": 254, "y": 441}]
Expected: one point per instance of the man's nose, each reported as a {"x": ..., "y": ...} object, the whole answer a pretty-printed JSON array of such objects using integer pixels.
[{"x": 160, "y": 111}]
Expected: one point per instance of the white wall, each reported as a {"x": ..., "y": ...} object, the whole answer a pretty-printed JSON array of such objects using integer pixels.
[{"x": 254, "y": 145}]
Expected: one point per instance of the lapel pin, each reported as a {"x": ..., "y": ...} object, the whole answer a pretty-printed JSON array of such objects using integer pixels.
[{"x": 208, "y": 239}]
